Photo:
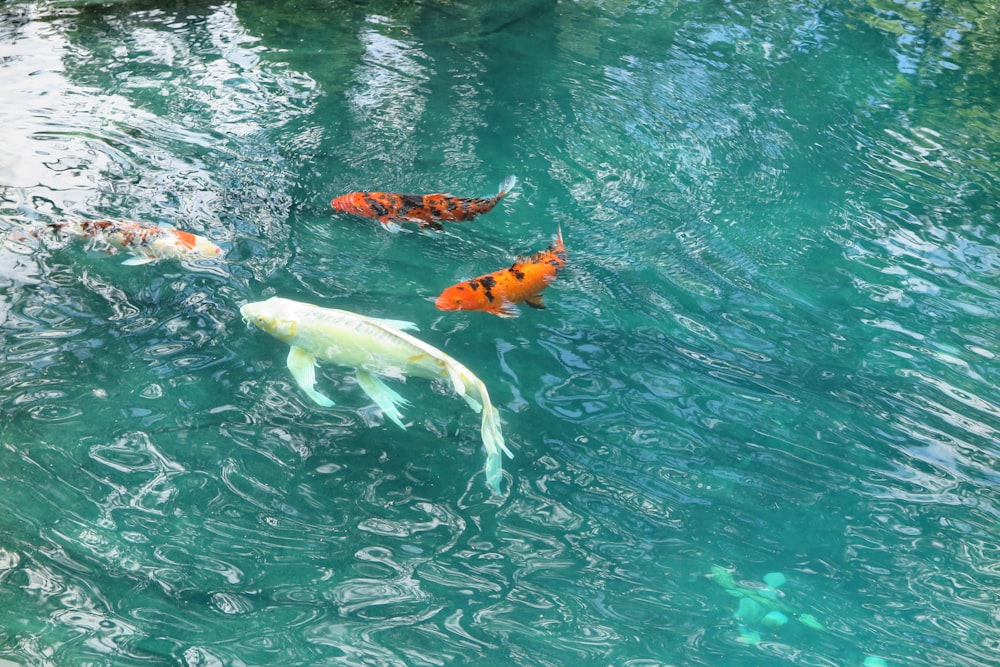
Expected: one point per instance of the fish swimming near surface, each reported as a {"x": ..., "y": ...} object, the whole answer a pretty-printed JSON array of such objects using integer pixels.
[
  {"x": 500, "y": 291},
  {"x": 147, "y": 242},
  {"x": 374, "y": 348},
  {"x": 428, "y": 211}
]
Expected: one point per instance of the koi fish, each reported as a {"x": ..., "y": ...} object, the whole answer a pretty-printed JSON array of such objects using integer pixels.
[
  {"x": 428, "y": 211},
  {"x": 498, "y": 292},
  {"x": 147, "y": 242},
  {"x": 373, "y": 347},
  {"x": 760, "y": 606}
]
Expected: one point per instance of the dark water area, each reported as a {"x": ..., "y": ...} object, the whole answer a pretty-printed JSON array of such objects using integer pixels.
[{"x": 773, "y": 348}]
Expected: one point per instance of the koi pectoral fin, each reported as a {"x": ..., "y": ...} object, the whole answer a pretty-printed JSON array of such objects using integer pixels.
[
  {"x": 505, "y": 309},
  {"x": 385, "y": 398},
  {"x": 391, "y": 224},
  {"x": 535, "y": 302},
  {"x": 302, "y": 364}
]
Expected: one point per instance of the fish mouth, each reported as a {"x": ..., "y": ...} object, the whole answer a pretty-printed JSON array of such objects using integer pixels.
[
  {"x": 246, "y": 315},
  {"x": 446, "y": 304}
]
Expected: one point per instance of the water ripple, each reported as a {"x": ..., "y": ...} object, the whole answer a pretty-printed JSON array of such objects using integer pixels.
[{"x": 772, "y": 349}]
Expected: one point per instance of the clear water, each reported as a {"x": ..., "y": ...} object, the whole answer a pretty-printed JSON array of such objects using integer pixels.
[{"x": 773, "y": 349}]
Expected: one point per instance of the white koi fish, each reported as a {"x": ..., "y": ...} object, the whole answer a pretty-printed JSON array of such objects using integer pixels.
[
  {"x": 147, "y": 242},
  {"x": 373, "y": 347}
]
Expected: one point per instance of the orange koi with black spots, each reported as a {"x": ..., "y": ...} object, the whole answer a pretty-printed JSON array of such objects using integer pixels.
[
  {"x": 428, "y": 211},
  {"x": 148, "y": 242},
  {"x": 500, "y": 291}
]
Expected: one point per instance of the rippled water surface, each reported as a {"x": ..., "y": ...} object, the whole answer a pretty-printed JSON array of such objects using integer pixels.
[{"x": 773, "y": 349}]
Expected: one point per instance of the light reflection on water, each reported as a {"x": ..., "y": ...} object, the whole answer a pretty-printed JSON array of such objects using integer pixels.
[{"x": 771, "y": 351}]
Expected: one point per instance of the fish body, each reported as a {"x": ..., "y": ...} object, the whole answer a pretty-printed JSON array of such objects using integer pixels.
[
  {"x": 428, "y": 211},
  {"x": 500, "y": 291},
  {"x": 147, "y": 242},
  {"x": 374, "y": 348},
  {"x": 761, "y": 604}
]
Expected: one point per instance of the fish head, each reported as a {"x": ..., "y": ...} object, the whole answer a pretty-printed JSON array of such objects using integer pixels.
[
  {"x": 462, "y": 296},
  {"x": 205, "y": 248},
  {"x": 273, "y": 316}
]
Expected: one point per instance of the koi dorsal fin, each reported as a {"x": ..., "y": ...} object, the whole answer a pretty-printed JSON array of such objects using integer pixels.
[{"x": 402, "y": 325}]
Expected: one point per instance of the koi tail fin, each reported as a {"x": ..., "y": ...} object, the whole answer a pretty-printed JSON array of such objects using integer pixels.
[
  {"x": 507, "y": 185},
  {"x": 474, "y": 392},
  {"x": 492, "y": 440},
  {"x": 494, "y": 445}
]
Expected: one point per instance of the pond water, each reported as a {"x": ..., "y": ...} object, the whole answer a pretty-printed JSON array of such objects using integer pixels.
[{"x": 757, "y": 423}]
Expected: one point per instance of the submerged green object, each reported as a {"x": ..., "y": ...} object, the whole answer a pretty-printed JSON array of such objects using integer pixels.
[
  {"x": 774, "y": 579},
  {"x": 810, "y": 621},
  {"x": 375, "y": 348},
  {"x": 874, "y": 661},
  {"x": 748, "y": 636},
  {"x": 723, "y": 577},
  {"x": 773, "y": 620},
  {"x": 749, "y": 611},
  {"x": 762, "y": 607}
]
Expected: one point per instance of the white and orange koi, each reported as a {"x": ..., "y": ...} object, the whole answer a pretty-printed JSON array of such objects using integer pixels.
[{"x": 147, "y": 242}]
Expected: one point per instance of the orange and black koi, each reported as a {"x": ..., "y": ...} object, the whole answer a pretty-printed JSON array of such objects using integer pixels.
[
  {"x": 428, "y": 211},
  {"x": 148, "y": 242},
  {"x": 498, "y": 292}
]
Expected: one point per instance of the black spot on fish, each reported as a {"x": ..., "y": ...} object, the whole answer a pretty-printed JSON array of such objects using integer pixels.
[
  {"x": 376, "y": 206},
  {"x": 474, "y": 284},
  {"x": 488, "y": 282},
  {"x": 518, "y": 274},
  {"x": 411, "y": 201}
]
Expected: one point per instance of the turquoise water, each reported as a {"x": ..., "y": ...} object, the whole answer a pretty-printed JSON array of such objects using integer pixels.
[{"x": 773, "y": 348}]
